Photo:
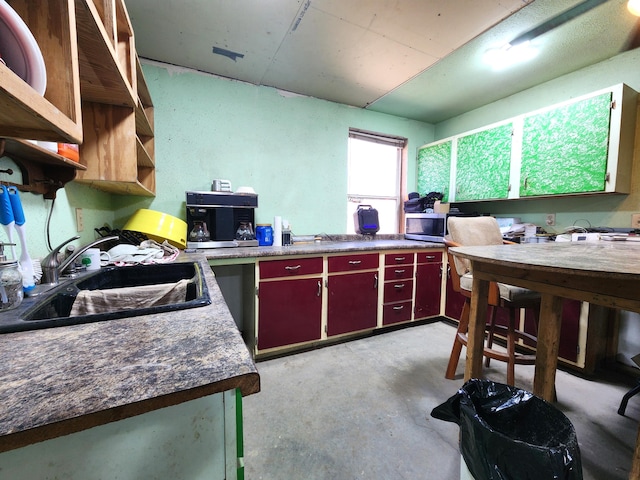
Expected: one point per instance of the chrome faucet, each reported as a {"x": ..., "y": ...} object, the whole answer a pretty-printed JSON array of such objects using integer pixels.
[{"x": 51, "y": 266}]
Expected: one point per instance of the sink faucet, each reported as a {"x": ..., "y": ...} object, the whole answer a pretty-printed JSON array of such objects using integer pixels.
[{"x": 51, "y": 266}]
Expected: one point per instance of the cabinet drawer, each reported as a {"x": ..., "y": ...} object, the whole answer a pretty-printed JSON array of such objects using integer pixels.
[
  {"x": 290, "y": 267},
  {"x": 398, "y": 291},
  {"x": 347, "y": 263},
  {"x": 398, "y": 272},
  {"x": 396, "y": 312},
  {"x": 429, "y": 257},
  {"x": 403, "y": 258}
]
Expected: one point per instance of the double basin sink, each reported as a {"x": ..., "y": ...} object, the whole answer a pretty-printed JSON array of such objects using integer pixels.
[{"x": 54, "y": 307}]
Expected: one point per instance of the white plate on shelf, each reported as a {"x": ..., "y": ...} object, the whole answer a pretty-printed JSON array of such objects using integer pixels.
[{"x": 19, "y": 49}]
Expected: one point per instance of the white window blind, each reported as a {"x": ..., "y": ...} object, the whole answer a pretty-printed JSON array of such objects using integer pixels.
[{"x": 374, "y": 177}]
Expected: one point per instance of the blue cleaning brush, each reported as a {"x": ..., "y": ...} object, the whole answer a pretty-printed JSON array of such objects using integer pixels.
[
  {"x": 6, "y": 218},
  {"x": 28, "y": 280}
]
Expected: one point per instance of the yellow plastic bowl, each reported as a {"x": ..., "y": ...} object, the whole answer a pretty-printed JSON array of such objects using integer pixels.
[{"x": 159, "y": 226}]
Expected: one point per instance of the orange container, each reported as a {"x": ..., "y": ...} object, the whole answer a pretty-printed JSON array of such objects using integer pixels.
[{"x": 70, "y": 151}]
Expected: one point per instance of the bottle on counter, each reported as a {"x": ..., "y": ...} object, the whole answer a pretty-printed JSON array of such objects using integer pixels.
[
  {"x": 11, "y": 292},
  {"x": 277, "y": 231},
  {"x": 264, "y": 234}
]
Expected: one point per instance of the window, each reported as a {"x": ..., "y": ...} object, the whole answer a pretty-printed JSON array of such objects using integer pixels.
[{"x": 376, "y": 177}]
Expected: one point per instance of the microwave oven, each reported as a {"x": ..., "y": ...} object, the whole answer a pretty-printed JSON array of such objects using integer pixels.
[{"x": 429, "y": 227}]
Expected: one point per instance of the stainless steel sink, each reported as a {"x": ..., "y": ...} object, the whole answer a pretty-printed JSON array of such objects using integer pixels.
[{"x": 53, "y": 309}]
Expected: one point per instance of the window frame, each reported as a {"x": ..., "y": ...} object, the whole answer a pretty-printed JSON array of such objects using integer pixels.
[{"x": 401, "y": 144}]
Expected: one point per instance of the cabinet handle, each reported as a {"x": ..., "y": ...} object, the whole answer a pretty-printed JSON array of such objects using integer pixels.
[
  {"x": 375, "y": 281},
  {"x": 319, "y": 288},
  {"x": 399, "y": 259},
  {"x": 398, "y": 286},
  {"x": 430, "y": 257},
  {"x": 355, "y": 262},
  {"x": 296, "y": 267},
  {"x": 398, "y": 307},
  {"x": 399, "y": 272}
]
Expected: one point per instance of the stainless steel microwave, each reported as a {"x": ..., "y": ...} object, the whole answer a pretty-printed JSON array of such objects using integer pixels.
[{"x": 429, "y": 227}]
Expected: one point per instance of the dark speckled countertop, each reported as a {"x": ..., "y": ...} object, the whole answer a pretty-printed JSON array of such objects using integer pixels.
[
  {"x": 60, "y": 380},
  {"x": 352, "y": 244}
]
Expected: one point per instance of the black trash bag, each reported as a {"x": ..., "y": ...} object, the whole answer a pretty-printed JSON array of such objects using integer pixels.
[{"x": 510, "y": 434}]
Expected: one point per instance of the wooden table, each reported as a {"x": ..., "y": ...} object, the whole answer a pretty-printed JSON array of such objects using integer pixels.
[{"x": 603, "y": 273}]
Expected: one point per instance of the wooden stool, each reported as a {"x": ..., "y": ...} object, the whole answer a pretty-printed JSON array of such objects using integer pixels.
[{"x": 500, "y": 296}]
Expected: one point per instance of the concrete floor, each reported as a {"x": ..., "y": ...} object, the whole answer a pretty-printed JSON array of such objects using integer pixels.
[{"x": 361, "y": 410}]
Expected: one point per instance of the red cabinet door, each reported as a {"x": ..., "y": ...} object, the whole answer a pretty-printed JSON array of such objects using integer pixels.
[
  {"x": 569, "y": 329},
  {"x": 349, "y": 263},
  {"x": 352, "y": 302},
  {"x": 396, "y": 312},
  {"x": 428, "y": 292},
  {"x": 289, "y": 311},
  {"x": 453, "y": 302}
]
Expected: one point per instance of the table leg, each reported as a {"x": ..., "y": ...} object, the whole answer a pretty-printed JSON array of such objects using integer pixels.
[
  {"x": 477, "y": 321},
  {"x": 635, "y": 467},
  {"x": 547, "y": 346}
]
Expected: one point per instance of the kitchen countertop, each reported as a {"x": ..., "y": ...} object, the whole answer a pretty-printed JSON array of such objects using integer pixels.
[
  {"x": 318, "y": 248},
  {"x": 61, "y": 380},
  {"x": 585, "y": 258}
]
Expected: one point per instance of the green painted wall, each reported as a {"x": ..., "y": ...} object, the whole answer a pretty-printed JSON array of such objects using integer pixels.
[
  {"x": 96, "y": 207},
  {"x": 596, "y": 210},
  {"x": 291, "y": 149}
]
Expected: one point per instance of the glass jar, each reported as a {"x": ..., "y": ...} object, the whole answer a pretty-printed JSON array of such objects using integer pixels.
[
  {"x": 11, "y": 292},
  {"x": 245, "y": 231},
  {"x": 264, "y": 234},
  {"x": 199, "y": 232}
]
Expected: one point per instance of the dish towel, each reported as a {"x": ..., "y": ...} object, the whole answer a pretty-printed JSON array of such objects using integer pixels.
[{"x": 90, "y": 302}]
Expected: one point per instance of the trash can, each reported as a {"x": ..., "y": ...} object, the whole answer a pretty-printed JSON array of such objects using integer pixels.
[{"x": 509, "y": 433}]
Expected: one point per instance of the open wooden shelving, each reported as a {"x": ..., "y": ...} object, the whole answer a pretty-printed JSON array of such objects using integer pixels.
[{"x": 96, "y": 96}]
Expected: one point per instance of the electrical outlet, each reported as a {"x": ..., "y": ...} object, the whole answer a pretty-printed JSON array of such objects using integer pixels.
[
  {"x": 550, "y": 220},
  {"x": 635, "y": 220},
  {"x": 79, "y": 220}
]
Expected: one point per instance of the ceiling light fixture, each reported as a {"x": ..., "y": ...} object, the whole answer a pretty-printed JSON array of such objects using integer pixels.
[
  {"x": 634, "y": 7},
  {"x": 500, "y": 58},
  {"x": 509, "y": 55}
]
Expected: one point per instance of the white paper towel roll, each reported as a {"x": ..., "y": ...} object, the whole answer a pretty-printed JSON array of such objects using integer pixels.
[{"x": 277, "y": 231}]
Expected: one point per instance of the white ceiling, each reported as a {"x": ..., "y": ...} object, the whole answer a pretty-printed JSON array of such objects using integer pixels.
[{"x": 419, "y": 59}]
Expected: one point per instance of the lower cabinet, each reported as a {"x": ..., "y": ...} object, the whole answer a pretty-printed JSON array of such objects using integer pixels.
[
  {"x": 200, "y": 438},
  {"x": 569, "y": 345},
  {"x": 454, "y": 301},
  {"x": 583, "y": 336},
  {"x": 352, "y": 294},
  {"x": 289, "y": 302},
  {"x": 302, "y": 300},
  {"x": 428, "y": 284},
  {"x": 397, "y": 299}
]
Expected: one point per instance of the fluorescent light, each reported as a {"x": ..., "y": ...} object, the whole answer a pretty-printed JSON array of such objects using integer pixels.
[
  {"x": 509, "y": 55},
  {"x": 634, "y": 7}
]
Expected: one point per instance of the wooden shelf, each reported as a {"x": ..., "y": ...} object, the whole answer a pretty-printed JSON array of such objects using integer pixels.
[
  {"x": 43, "y": 171},
  {"x": 96, "y": 96},
  {"x": 29, "y": 151},
  {"x": 107, "y": 74},
  {"x": 23, "y": 112},
  {"x": 144, "y": 157}
]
